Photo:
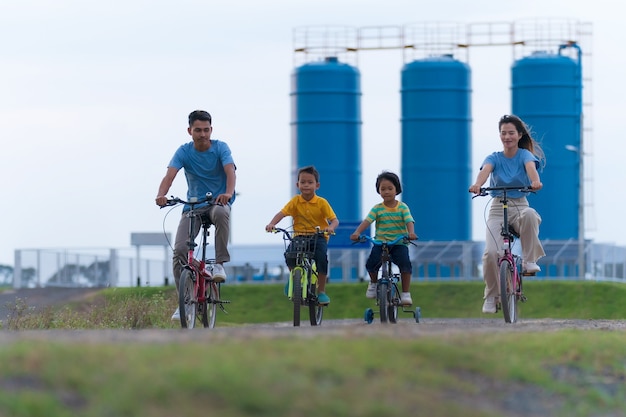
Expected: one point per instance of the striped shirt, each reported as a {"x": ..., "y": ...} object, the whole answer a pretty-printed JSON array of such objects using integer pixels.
[{"x": 390, "y": 222}]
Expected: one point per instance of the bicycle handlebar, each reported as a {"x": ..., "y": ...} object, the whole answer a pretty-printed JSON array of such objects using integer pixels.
[
  {"x": 403, "y": 239},
  {"x": 194, "y": 201},
  {"x": 485, "y": 190},
  {"x": 289, "y": 234}
]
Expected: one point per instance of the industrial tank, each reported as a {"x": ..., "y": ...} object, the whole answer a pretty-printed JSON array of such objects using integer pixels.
[
  {"x": 547, "y": 95},
  {"x": 436, "y": 146},
  {"x": 326, "y": 132}
]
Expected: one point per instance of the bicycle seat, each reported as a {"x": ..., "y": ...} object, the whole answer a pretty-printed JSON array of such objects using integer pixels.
[{"x": 513, "y": 231}]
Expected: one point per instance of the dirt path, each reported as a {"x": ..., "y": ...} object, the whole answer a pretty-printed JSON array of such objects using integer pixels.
[{"x": 37, "y": 298}]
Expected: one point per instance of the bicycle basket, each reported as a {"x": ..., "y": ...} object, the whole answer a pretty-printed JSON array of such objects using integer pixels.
[{"x": 301, "y": 245}]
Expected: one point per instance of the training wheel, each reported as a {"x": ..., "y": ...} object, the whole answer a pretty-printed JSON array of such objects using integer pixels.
[
  {"x": 369, "y": 315},
  {"x": 418, "y": 314}
]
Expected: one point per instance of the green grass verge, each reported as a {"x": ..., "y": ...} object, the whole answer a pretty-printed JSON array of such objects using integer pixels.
[{"x": 151, "y": 307}]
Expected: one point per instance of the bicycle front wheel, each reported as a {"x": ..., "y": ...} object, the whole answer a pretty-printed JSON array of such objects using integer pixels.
[
  {"x": 508, "y": 297},
  {"x": 383, "y": 301},
  {"x": 213, "y": 289},
  {"x": 187, "y": 300},
  {"x": 296, "y": 297}
]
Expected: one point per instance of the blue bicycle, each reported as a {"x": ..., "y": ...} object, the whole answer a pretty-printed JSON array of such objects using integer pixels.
[{"x": 387, "y": 292}]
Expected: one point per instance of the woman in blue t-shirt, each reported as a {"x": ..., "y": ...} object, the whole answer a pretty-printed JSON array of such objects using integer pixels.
[{"x": 517, "y": 164}]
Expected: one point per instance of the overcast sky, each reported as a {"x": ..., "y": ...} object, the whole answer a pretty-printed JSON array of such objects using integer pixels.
[{"x": 94, "y": 98}]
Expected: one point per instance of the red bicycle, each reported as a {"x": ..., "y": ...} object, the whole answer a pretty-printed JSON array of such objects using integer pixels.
[
  {"x": 510, "y": 264},
  {"x": 198, "y": 293}
]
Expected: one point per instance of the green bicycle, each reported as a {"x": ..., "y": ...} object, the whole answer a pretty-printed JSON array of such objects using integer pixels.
[{"x": 302, "y": 285}]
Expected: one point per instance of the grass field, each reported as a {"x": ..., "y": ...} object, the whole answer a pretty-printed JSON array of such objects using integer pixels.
[{"x": 238, "y": 373}]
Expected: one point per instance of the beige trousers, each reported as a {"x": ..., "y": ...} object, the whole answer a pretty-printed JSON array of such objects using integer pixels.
[
  {"x": 220, "y": 217},
  {"x": 525, "y": 220}
]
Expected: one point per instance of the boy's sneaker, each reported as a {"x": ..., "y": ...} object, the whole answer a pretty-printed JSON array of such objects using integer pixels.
[
  {"x": 531, "y": 268},
  {"x": 219, "y": 275},
  {"x": 489, "y": 306},
  {"x": 371, "y": 290},
  {"x": 176, "y": 315},
  {"x": 322, "y": 298},
  {"x": 405, "y": 299}
]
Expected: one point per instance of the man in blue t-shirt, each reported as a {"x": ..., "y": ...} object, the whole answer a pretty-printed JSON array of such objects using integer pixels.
[{"x": 209, "y": 167}]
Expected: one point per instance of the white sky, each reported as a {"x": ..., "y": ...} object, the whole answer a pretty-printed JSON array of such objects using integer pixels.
[{"x": 94, "y": 98}]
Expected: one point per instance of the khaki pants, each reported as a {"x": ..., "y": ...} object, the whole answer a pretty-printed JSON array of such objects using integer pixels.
[
  {"x": 525, "y": 220},
  {"x": 220, "y": 217}
]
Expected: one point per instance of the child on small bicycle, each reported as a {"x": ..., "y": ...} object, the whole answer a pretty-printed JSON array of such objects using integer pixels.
[
  {"x": 393, "y": 218},
  {"x": 310, "y": 211}
]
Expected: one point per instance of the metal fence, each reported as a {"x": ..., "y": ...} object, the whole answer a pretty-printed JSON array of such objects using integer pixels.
[{"x": 432, "y": 261}]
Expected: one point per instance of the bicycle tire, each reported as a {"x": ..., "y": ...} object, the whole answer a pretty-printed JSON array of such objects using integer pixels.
[
  {"x": 394, "y": 300},
  {"x": 383, "y": 301},
  {"x": 508, "y": 297},
  {"x": 187, "y": 300},
  {"x": 203, "y": 307},
  {"x": 296, "y": 298},
  {"x": 214, "y": 297},
  {"x": 316, "y": 311}
]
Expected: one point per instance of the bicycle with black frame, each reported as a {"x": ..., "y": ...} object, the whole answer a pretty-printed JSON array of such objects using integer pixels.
[
  {"x": 198, "y": 293},
  {"x": 387, "y": 291},
  {"x": 302, "y": 285},
  {"x": 509, "y": 264}
]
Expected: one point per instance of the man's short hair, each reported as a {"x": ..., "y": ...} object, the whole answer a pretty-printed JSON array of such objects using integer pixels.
[{"x": 199, "y": 115}]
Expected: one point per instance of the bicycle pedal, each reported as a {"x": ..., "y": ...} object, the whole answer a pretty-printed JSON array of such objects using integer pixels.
[
  {"x": 529, "y": 274},
  {"x": 523, "y": 299}
]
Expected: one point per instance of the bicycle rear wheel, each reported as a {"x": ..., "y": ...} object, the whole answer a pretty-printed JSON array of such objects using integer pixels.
[
  {"x": 296, "y": 298},
  {"x": 383, "y": 301},
  {"x": 203, "y": 307},
  {"x": 187, "y": 301},
  {"x": 508, "y": 297},
  {"x": 316, "y": 311},
  {"x": 393, "y": 304}
]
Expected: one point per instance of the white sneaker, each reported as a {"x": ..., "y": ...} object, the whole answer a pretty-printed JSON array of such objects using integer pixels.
[
  {"x": 371, "y": 290},
  {"x": 176, "y": 315},
  {"x": 489, "y": 306},
  {"x": 405, "y": 299},
  {"x": 219, "y": 275},
  {"x": 531, "y": 268}
]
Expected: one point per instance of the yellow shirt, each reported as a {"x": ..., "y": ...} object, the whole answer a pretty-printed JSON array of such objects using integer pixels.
[{"x": 307, "y": 215}]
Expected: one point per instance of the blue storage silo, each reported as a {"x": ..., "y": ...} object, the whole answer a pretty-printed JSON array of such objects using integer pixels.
[
  {"x": 326, "y": 132},
  {"x": 547, "y": 95},
  {"x": 436, "y": 146}
]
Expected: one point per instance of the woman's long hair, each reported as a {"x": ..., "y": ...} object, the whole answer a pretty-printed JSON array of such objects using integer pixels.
[{"x": 526, "y": 141}]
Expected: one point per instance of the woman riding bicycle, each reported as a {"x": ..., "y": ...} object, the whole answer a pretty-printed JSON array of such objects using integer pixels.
[{"x": 517, "y": 164}]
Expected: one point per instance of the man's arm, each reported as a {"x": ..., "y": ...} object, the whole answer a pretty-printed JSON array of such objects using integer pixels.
[
  {"x": 231, "y": 180},
  {"x": 164, "y": 187}
]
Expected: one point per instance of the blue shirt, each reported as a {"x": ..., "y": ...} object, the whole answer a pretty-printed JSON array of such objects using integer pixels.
[
  {"x": 204, "y": 170},
  {"x": 510, "y": 171}
]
